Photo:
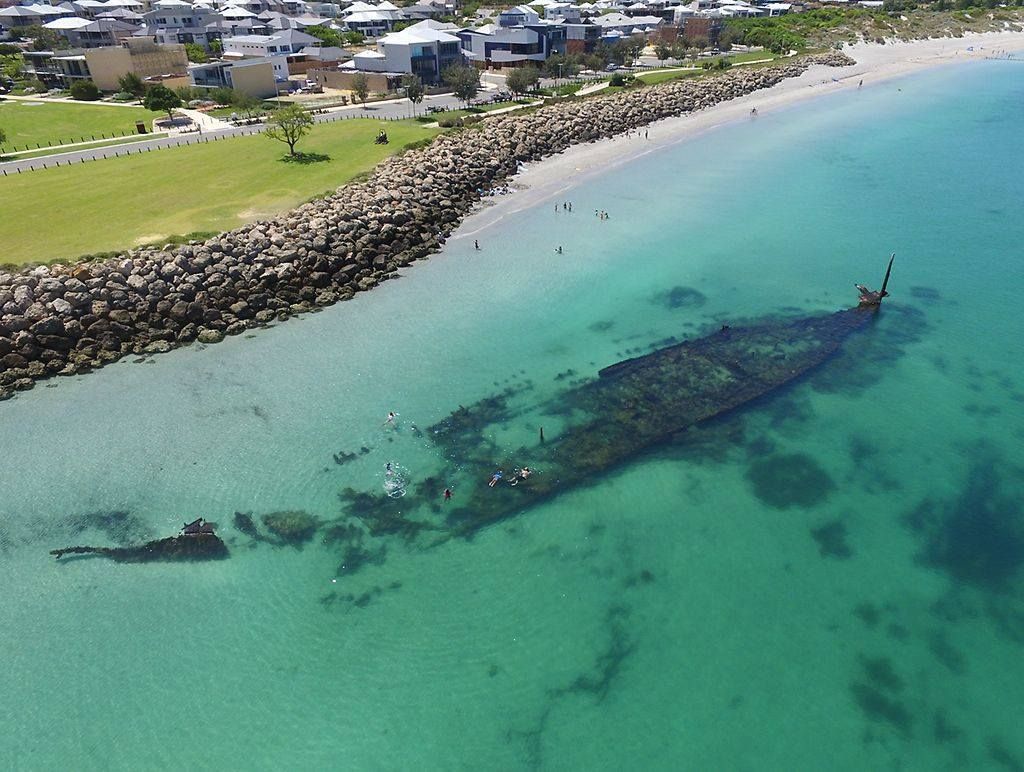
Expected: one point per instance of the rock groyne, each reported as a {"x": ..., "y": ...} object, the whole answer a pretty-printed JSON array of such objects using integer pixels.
[{"x": 69, "y": 319}]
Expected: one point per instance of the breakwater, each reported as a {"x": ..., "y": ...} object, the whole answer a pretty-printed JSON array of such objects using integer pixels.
[{"x": 69, "y": 319}]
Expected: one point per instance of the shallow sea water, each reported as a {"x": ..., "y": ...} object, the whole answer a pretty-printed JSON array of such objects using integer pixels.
[{"x": 831, "y": 578}]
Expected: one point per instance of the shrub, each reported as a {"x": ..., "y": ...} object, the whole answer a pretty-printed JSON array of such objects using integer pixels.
[{"x": 85, "y": 91}]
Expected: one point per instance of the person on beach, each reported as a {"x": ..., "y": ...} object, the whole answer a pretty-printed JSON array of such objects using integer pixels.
[
  {"x": 495, "y": 479},
  {"x": 861, "y": 83},
  {"x": 447, "y": 494},
  {"x": 753, "y": 112}
]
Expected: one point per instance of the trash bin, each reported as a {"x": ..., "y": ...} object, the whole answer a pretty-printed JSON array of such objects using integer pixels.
[{"x": 140, "y": 127}]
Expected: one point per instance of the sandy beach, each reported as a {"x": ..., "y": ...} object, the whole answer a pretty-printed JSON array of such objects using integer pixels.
[{"x": 551, "y": 177}]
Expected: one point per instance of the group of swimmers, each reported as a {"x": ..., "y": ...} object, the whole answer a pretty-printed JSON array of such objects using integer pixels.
[
  {"x": 518, "y": 477},
  {"x": 600, "y": 214},
  {"x": 566, "y": 206},
  {"x": 391, "y": 473}
]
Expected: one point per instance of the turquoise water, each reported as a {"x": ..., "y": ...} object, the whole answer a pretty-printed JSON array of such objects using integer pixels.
[{"x": 830, "y": 579}]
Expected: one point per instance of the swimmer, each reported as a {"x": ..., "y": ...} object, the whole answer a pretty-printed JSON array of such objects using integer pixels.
[
  {"x": 388, "y": 471},
  {"x": 559, "y": 249},
  {"x": 390, "y": 419},
  {"x": 447, "y": 494},
  {"x": 521, "y": 475},
  {"x": 495, "y": 478}
]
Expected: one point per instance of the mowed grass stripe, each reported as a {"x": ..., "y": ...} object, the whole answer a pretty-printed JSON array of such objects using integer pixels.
[{"x": 113, "y": 204}]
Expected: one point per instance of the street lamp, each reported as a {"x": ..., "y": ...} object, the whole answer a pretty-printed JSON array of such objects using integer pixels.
[{"x": 560, "y": 66}]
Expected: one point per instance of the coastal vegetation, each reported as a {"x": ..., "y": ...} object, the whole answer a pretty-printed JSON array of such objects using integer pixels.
[
  {"x": 98, "y": 207},
  {"x": 898, "y": 19}
]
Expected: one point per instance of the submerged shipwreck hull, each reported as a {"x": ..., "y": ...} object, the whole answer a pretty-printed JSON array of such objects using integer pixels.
[
  {"x": 186, "y": 547},
  {"x": 633, "y": 406}
]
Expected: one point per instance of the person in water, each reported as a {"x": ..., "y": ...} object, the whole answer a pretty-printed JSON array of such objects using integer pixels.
[
  {"x": 388, "y": 471},
  {"x": 447, "y": 494},
  {"x": 495, "y": 479},
  {"x": 521, "y": 475},
  {"x": 390, "y": 419}
]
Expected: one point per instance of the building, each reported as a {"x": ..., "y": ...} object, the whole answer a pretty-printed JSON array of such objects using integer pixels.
[
  {"x": 100, "y": 33},
  {"x": 288, "y": 41},
  {"x": 425, "y": 49},
  {"x": 519, "y": 38},
  {"x": 256, "y": 77},
  {"x": 104, "y": 66}
]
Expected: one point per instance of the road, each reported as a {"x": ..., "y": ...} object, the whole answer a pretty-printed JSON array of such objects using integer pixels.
[{"x": 389, "y": 110}]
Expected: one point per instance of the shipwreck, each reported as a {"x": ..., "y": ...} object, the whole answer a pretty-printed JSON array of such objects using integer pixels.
[
  {"x": 629, "y": 408},
  {"x": 197, "y": 541}
]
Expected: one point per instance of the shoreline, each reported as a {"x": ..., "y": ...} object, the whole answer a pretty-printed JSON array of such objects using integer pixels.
[
  {"x": 540, "y": 181},
  {"x": 65, "y": 320}
]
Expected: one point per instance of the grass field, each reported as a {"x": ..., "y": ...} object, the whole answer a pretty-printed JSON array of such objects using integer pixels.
[
  {"x": 122, "y": 202},
  {"x": 55, "y": 123},
  {"x": 661, "y": 77}
]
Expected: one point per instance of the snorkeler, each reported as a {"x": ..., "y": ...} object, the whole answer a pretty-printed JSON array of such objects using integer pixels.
[
  {"x": 495, "y": 478},
  {"x": 521, "y": 475}
]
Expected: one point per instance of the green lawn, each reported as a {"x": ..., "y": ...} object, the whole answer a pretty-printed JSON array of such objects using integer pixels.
[
  {"x": 108, "y": 205},
  {"x": 661, "y": 77},
  {"x": 55, "y": 123}
]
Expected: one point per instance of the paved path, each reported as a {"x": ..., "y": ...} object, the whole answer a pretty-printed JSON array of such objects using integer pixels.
[
  {"x": 593, "y": 89},
  {"x": 208, "y": 122}
]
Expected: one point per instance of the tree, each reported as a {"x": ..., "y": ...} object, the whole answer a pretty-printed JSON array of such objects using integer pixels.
[
  {"x": 522, "y": 79},
  {"x": 360, "y": 87},
  {"x": 463, "y": 80},
  {"x": 196, "y": 53},
  {"x": 216, "y": 47},
  {"x": 12, "y": 66},
  {"x": 130, "y": 83},
  {"x": 42, "y": 39},
  {"x": 85, "y": 91},
  {"x": 413, "y": 88},
  {"x": 662, "y": 51},
  {"x": 354, "y": 37},
  {"x": 325, "y": 35},
  {"x": 289, "y": 125},
  {"x": 161, "y": 99},
  {"x": 247, "y": 103},
  {"x": 222, "y": 95}
]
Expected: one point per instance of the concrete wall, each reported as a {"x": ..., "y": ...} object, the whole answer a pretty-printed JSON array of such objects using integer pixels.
[
  {"x": 108, "y": 64},
  {"x": 377, "y": 82},
  {"x": 254, "y": 79}
]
